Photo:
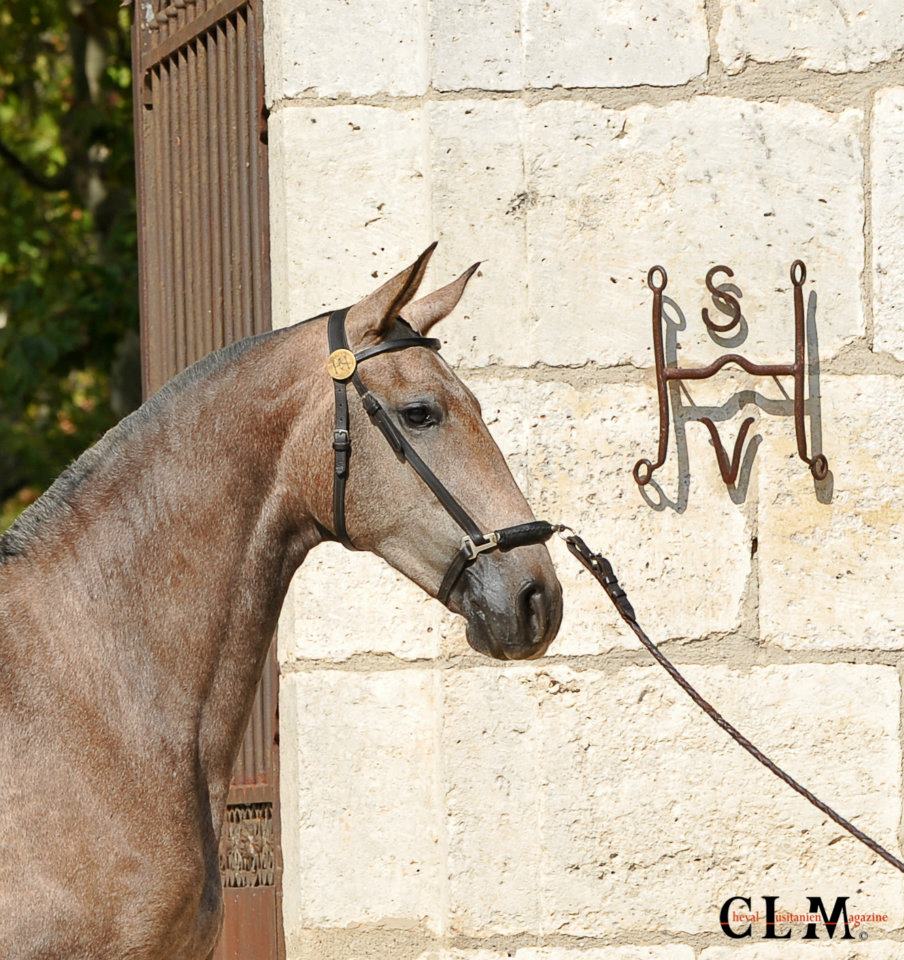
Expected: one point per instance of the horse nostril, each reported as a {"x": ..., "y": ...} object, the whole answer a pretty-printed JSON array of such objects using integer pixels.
[{"x": 532, "y": 605}]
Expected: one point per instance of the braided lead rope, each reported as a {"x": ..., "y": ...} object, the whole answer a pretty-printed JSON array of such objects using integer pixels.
[{"x": 601, "y": 569}]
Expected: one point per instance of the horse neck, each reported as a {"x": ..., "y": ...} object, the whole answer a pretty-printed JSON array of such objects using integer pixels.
[{"x": 171, "y": 566}]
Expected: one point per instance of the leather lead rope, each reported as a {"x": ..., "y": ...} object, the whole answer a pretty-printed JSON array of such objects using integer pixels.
[{"x": 601, "y": 569}]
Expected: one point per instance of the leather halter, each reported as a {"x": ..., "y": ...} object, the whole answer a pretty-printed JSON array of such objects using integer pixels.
[{"x": 343, "y": 368}]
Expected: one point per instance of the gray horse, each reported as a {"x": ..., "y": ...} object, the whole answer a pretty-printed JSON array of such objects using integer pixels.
[{"x": 139, "y": 595}]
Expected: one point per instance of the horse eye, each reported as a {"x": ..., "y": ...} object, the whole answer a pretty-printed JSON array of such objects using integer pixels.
[{"x": 419, "y": 415}]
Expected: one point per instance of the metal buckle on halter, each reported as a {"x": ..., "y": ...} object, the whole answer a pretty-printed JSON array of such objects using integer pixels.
[
  {"x": 341, "y": 440},
  {"x": 473, "y": 550}
]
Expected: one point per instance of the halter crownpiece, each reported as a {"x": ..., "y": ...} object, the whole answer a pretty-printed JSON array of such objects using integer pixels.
[{"x": 342, "y": 366}]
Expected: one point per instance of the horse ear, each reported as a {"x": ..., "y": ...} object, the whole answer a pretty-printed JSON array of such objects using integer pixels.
[
  {"x": 372, "y": 318},
  {"x": 436, "y": 306}
]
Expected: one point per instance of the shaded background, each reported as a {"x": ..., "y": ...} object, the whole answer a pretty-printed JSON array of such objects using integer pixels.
[{"x": 69, "y": 357}]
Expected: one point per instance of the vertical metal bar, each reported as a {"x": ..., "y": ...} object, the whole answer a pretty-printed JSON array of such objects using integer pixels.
[
  {"x": 265, "y": 728},
  {"x": 798, "y": 276},
  {"x": 177, "y": 321},
  {"x": 254, "y": 147},
  {"x": 192, "y": 132},
  {"x": 272, "y": 669},
  {"x": 153, "y": 245},
  {"x": 140, "y": 126},
  {"x": 185, "y": 174},
  {"x": 201, "y": 168},
  {"x": 818, "y": 464},
  {"x": 166, "y": 204},
  {"x": 245, "y": 135},
  {"x": 222, "y": 145},
  {"x": 215, "y": 192},
  {"x": 254, "y": 735},
  {"x": 252, "y": 738},
  {"x": 151, "y": 180},
  {"x": 231, "y": 94},
  {"x": 643, "y": 469},
  {"x": 259, "y": 153},
  {"x": 155, "y": 240},
  {"x": 247, "y": 751},
  {"x": 246, "y": 776}
]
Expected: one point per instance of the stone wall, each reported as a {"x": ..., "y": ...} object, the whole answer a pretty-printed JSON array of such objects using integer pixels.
[{"x": 437, "y": 805}]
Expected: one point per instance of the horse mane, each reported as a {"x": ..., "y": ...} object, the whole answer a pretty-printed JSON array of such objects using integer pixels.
[{"x": 56, "y": 500}]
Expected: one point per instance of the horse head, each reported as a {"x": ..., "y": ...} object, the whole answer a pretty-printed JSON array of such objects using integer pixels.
[{"x": 512, "y": 600}]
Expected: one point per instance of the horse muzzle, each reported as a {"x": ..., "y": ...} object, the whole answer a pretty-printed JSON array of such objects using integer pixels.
[{"x": 513, "y": 606}]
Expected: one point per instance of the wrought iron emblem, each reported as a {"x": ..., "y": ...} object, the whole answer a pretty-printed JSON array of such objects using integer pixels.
[{"x": 667, "y": 373}]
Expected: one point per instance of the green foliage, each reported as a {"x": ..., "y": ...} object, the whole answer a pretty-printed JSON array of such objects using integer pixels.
[{"x": 68, "y": 273}]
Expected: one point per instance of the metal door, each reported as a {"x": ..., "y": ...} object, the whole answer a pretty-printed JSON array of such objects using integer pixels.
[{"x": 201, "y": 158}]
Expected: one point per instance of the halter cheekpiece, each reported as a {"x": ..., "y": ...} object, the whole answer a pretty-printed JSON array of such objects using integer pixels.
[{"x": 342, "y": 366}]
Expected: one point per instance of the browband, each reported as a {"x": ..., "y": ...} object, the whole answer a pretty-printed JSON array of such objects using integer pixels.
[{"x": 343, "y": 368}]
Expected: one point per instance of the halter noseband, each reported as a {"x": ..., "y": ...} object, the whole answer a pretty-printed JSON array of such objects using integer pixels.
[{"x": 343, "y": 367}]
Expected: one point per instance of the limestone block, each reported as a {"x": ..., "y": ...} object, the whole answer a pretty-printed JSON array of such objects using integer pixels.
[
  {"x": 476, "y": 44},
  {"x": 831, "y": 35},
  {"x": 334, "y": 49},
  {"x": 360, "y": 799},
  {"x": 479, "y": 207},
  {"x": 608, "y": 43},
  {"x": 504, "y": 46},
  {"x": 348, "y": 603},
  {"x": 582, "y": 802},
  {"x": 695, "y": 183},
  {"x": 350, "y": 203},
  {"x": 887, "y": 172},
  {"x": 829, "y": 559}
]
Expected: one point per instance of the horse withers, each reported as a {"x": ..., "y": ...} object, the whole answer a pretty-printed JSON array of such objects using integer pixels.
[{"x": 139, "y": 595}]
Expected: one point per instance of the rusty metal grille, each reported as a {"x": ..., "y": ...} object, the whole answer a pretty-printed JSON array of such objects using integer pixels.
[
  {"x": 201, "y": 159},
  {"x": 202, "y": 178},
  {"x": 246, "y": 854}
]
